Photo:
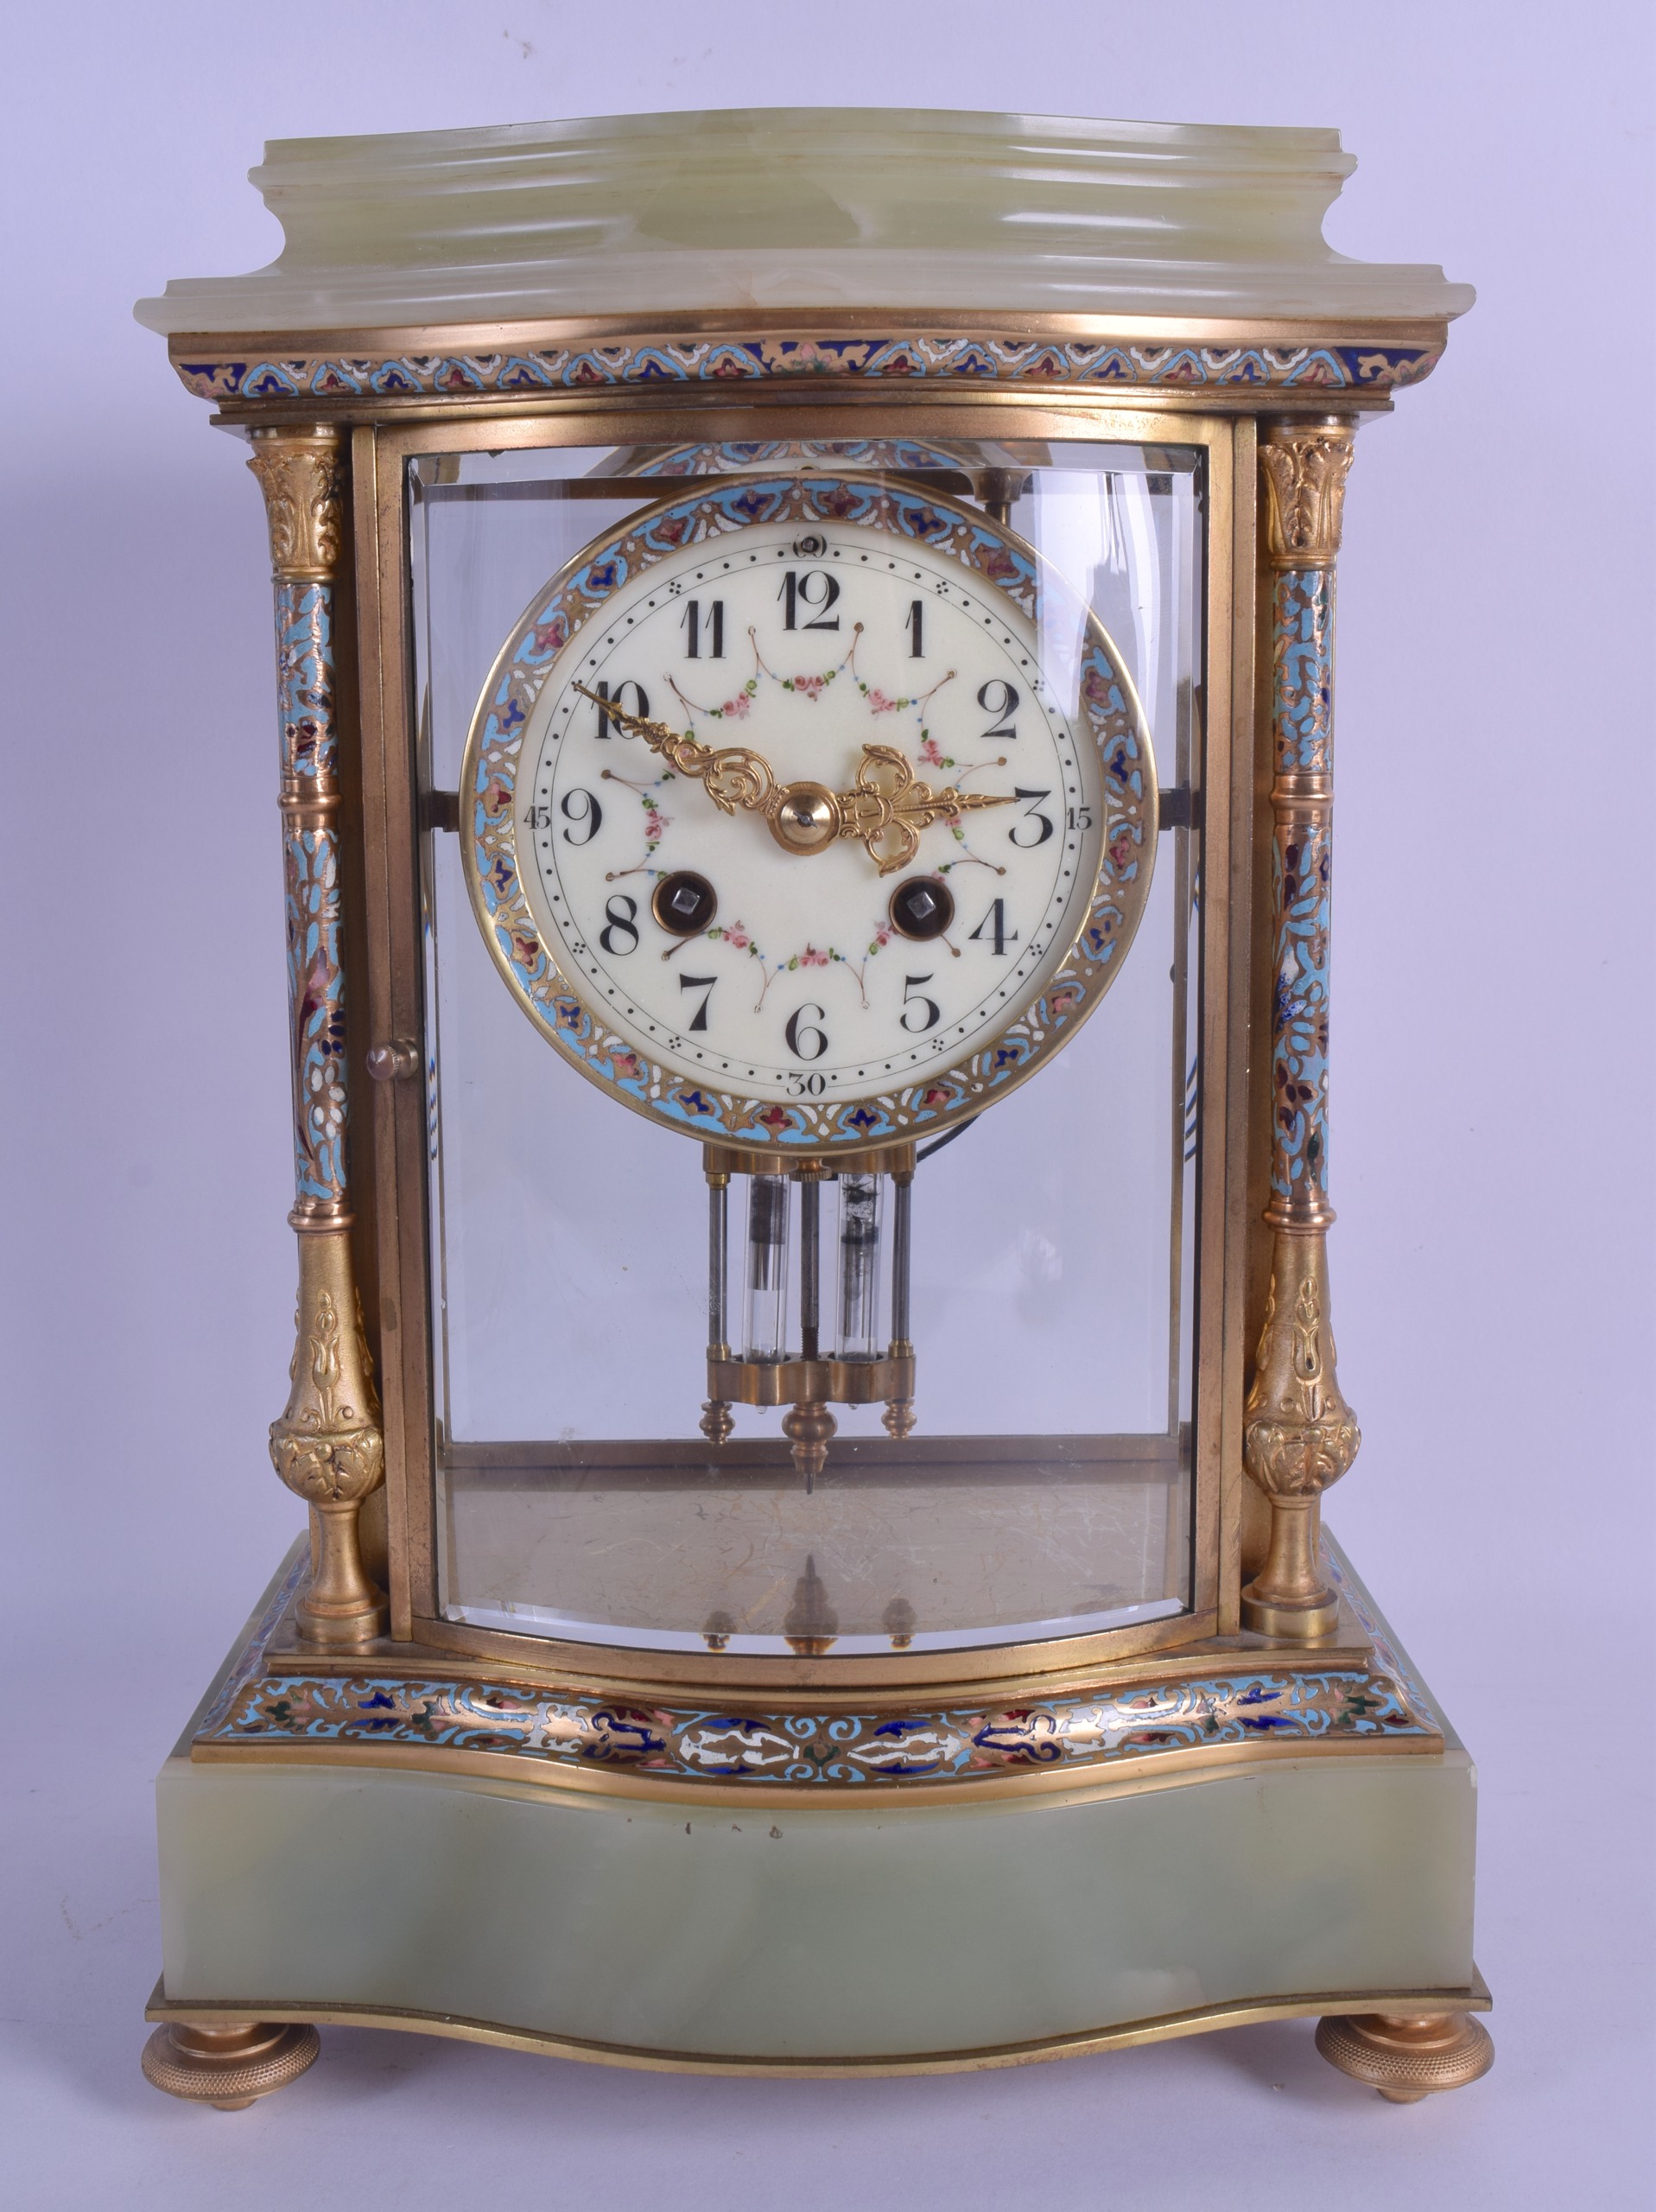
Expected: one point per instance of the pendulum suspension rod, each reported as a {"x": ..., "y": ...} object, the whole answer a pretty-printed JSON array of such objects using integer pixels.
[{"x": 842, "y": 1359}]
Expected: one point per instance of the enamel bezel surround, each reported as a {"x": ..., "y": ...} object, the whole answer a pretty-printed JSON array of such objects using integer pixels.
[{"x": 1109, "y": 709}]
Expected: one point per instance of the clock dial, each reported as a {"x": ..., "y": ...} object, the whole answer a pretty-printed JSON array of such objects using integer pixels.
[{"x": 801, "y": 800}]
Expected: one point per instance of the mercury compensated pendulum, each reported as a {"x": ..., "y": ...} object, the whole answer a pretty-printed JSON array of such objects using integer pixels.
[{"x": 864, "y": 1367}]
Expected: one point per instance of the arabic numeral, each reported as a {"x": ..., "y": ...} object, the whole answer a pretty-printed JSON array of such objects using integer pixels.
[
  {"x": 928, "y": 1008},
  {"x": 588, "y": 817},
  {"x": 1081, "y": 817},
  {"x": 916, "y": 633},
  {"x": 815, "y": 589},
  {"x": 537, "y": 817},
  {"x": 1029, "y": 817},
  {"x": 617, "y": 697},
  {"x": 999, "y": 701},
  {"x": 808, "y": 1043},
  {"x": 698, "y": 631},
  {"x": 995, "y": 924},
  {"x": 621, "y": 921},
  {"x": 704, "y": 984},
  {"x": 807, "y": 1086}
]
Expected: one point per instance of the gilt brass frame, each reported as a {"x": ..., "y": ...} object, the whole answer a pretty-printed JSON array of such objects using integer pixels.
[
  {"x": 1232, "y": 1244},
  {"x": 379, "y": 454}
]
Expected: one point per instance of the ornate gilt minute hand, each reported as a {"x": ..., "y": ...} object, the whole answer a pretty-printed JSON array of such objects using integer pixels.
[{"x": 887, "y": 808}]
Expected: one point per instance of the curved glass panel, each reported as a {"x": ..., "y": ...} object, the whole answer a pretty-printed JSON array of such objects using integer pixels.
[{"x": 1039, "y": 1263}]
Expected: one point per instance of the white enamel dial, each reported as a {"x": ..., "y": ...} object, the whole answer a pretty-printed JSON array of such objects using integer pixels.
[
  {"x": 708, "y": 952},
  {"x": 802, "y": 982}
]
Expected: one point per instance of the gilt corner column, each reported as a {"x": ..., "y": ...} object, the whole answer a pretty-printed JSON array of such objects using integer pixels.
[
  {"x": 1299, "y": 1436},
  {"x": 328, "y": 1444}
]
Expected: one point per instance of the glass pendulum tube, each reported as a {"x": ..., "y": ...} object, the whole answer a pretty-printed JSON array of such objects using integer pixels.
[
  {"x": 902, "y": 1194},
  {"x": 898, "y": 1416},
  {"x": 716, "y": 1419},
  {"x": 811, "y": 1219},
  {"x": 860, "y": 1212},
  {"x": 767, "y": 1266}
]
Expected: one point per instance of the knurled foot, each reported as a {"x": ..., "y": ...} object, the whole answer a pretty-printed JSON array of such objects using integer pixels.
[
  {"x": 230, "y": 2064},
  {"x": 1407, "y": 2056}
]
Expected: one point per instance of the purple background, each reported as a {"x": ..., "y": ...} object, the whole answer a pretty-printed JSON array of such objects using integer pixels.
[{"x": 1491, "y": 1124}]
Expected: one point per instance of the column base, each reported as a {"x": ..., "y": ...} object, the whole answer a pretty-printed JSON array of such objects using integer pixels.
[
  {"x": 230, "y": 2064},
  {"x": 1293, "y": 1621},
  {"x": 1407, "y": 2056}
]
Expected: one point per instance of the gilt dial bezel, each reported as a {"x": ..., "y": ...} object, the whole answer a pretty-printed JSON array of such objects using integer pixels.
[{"x": 1001, "y": 561}]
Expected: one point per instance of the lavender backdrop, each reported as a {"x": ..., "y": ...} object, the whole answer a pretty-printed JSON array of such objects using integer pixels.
[{"x": 1492, "y": 1145}]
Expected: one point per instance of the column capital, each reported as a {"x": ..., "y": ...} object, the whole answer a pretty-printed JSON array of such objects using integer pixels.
[
  {"x": 1302, "y": 470},
  {"x": 301, "y": 475}
]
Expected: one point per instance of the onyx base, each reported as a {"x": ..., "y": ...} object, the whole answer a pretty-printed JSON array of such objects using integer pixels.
[{"x": 840, "y": 1931}]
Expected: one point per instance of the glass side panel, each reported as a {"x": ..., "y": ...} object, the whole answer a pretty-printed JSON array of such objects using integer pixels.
[{"x": 1045, "y": 1489}]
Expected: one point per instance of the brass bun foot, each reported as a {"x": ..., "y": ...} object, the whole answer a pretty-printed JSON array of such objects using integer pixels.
[
  {"x": 1407, "y": 2056},
  {"x": 231, "y": 2064}
]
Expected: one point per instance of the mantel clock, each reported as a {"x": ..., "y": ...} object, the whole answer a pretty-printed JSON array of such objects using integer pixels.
[{"x": 804, "y": 696}]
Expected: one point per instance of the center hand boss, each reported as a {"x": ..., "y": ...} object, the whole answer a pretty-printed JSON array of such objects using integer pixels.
[{"x": 887, "y": 808}]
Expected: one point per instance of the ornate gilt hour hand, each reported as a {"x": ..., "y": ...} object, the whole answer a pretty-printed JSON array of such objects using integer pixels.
[
  {"x": 734, "y": 776},
  {"x": 887, "y": 808}
]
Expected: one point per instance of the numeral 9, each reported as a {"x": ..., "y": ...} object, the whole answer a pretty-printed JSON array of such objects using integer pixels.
[{"x": 588, "y": 815}]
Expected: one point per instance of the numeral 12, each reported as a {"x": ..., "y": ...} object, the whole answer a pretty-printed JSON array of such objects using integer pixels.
[{"x": 815, "y": 589}]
